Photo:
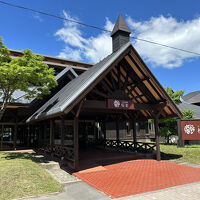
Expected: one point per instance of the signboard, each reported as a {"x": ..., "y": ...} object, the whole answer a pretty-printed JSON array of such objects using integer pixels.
[
  {"x": 120, "y": 104},
  {"x": 190, "y": 129}
]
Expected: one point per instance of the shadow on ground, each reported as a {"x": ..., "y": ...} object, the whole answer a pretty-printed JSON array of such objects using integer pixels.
[
  {"x": 169, "y": 156},
  {"x": 28, "y": 156}
]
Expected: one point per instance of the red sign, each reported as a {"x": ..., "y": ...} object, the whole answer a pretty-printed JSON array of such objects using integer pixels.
[
  {"x": 120, "y": 104},
  {"x": 190, "y": 129}
]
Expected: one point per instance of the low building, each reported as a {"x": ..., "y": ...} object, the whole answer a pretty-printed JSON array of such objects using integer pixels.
[{"x": 94, "y": 105}]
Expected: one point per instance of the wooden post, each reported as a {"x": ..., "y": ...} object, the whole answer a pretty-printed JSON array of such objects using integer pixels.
[
  {"x": 104, "y": 130},
  {"x": 180, "y": 140},
  {"x": 117, "y": 131},
  {"x": 40, "y": 135},
  {"x": 15, "y": 136},
  {"x": 134, "y": 134},
  {"x": 76, "y": 144},
  {"x": 62, "y": 131},
  {"x": 28, "y": 136},
  {"x": 157, "y": 139},
  {"x": 15, "y": 131},
  {"x": 51, "y": 133}
]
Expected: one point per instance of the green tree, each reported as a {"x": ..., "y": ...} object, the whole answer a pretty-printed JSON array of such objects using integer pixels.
[
  {"x": 27, "y": 73},
  {"x": 175, "y": 95},
  {"x": 168, "y": 127},
  {"x": 188, "y": 114}
]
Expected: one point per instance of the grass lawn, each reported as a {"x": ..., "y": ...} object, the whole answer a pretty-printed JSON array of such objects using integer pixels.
[
  {"x": 21, "y": 175},
  {"x": 189, "y": 153}
]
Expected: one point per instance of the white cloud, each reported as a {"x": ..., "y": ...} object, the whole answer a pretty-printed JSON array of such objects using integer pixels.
[
  {"x": 168, "y": 31},
  {"x": 78, "y": 47},
  {"x": 164, "y": 30}
]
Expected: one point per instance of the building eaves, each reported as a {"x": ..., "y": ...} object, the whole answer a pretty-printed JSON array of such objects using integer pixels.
[{"x": 13, "y": 51}]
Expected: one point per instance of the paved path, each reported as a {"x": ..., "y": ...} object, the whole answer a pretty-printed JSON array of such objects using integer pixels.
[
  {"x": 138, "y": 176},
  {"x": 82, "y": 191},
  {"x": 184, "y": 192},
  {"x": 75, "y": 189}
]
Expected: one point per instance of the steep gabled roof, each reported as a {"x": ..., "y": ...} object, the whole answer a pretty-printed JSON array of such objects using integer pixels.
[
  {"x": 69, "y": 93},
  {"x": 147, "y": 90},
  {"x": 120, "y": 26}
]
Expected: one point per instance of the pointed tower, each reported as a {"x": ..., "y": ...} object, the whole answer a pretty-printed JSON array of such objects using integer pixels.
[{"x": 120, "y": 34}]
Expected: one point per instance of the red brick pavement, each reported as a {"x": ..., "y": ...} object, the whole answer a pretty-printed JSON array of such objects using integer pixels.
[{"x": 139, "y": 176}]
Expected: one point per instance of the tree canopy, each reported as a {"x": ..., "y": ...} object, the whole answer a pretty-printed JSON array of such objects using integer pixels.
[
  {"x": 175, "y": 95},
  {"x": 27, "y": 73}
]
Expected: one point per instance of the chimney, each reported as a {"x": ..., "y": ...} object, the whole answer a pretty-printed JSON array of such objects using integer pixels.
[{"x": 120, "y": 34}]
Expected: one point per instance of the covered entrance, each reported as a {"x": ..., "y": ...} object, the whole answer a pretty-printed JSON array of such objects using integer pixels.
[{"x": 108, "y": 98}]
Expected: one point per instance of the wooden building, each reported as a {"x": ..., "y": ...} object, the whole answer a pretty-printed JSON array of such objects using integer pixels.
[{"x": 93, "y": 103}]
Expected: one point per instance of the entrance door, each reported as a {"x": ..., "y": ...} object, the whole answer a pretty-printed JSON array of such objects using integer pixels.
[{"x": 86, "y": 133}]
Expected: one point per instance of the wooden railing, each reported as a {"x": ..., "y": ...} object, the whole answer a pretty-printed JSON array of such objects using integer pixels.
[
  {"x": 65, "y": 153},
  {"x": 128, "y": 145}
]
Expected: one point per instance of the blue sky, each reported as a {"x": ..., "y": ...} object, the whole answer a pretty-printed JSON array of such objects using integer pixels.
[{"x": 174, "y": 22}]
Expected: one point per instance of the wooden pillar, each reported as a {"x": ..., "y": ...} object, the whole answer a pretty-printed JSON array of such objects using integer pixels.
[
  {"x": 180, "y": 140},
  {"x": 134, "y": 134},
  {"x": 117, "y": 130},
  {"x": 15, "y": 136},
  {"x": 15, "y": 131},
  {"x": 76, "y": 144},
  {"x": 28, "y": 136},
  {"x": 62, "y": 131},
  {"x": 158, "y": 157},
  {"x": 40, "y": 135},
  {"x": 51, "y": 133},
  {"x": 104, "y": 130}
]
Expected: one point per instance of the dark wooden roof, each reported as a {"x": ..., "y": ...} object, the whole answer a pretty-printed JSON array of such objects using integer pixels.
[
  {"x": 123, "y": 71},
  {"x": 120, "y": 26}
]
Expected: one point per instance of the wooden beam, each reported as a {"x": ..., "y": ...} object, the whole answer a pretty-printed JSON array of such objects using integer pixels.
[
  {"x": 89, "y": 104},
  {"x": 79, "y": 109},
  {"x": 126, "y": 81},
  {"x": 158, "y": 86},
  {"x": 106, "y": 86},
  {"x": 142, "y": 86},
  {"x": 112, "y": 81},
  {"x": 76, "y": 144},
  {"x": 132, "y": 89},
  {"x": 100, "y": 93},
  {"x": 157, "y": 139},
  {"x": 118, "y": 76}
]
